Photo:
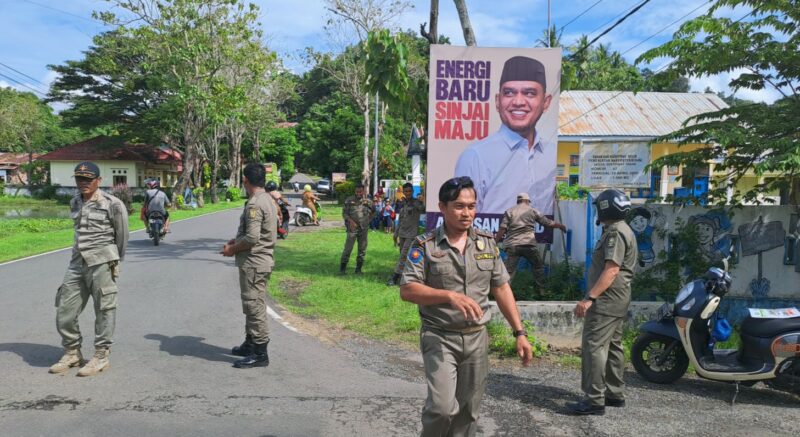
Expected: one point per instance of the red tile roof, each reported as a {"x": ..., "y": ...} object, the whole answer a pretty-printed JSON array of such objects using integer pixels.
[
  {"x": 103, "y": 148},
  {"x": 12, "y": 160}
]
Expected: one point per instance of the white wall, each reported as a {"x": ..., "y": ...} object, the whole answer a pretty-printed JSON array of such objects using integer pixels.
[
  {"x": 61, "y": 172},
  {"x": 749, "y": 229}
]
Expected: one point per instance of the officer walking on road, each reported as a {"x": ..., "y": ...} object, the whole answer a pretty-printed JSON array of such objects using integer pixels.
[
  {"x": 449, "y": 273},
  {"x": 101, "y": 235},
  {"x": 517, "y": 227},
  {"x": 605, "y": 307},
  {"x": 357, "y": 213},
  {"x": 253, "y": 247},
  {"x": 407, "y": 229}
]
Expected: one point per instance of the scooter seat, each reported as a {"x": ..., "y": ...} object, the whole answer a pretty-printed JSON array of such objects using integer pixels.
[{"x": 765, "y": 328}]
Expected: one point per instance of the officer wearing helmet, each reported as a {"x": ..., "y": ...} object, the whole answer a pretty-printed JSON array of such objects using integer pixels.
[
  {"x": 155, "y": 200},
  {"x": 282, "y": 205},
  {"x": 605, "y": 307}
]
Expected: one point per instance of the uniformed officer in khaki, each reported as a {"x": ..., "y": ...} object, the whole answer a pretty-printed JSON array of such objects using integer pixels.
[
  {"x": 101, "y": 235},
  {"x": 606, "y": 306},
  {"x": 449, "y": 273},
  {"x": 357, "y": 213},
  {"x": 253, "y": 249},
  {"x": 517, "y": 227},
  {"x": 407, "y": 229}
]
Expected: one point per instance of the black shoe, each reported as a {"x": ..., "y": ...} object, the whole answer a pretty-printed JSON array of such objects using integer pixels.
[
  {"x": 259, "y": 358},
  {"x": 244, "y": 349},
  {"x": 611, "y": 402},
  {"x": 584, "y": 408},
  {"x": 343, "y": 268},
  {"x": 358, "y": 268},
  {"x": 394, "y": 280}
]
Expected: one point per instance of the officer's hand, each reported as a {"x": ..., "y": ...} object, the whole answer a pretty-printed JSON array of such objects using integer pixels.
[
  {"x": 524, "y": 350},
  {"x": 581, "y": 308},
  {"x": 394, "y": 238},
  {"x": 231, "y": 242},
  {"x": 467, "y": 305},
  {"x": 352, "y": 225},
  {"x": 226, "y": 250},
  {"x": 563, "y": 228}
]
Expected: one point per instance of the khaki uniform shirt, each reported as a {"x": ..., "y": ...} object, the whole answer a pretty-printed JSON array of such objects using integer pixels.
[
  {"x": 434, "y": 262},
  {"x": 258, "y": 226},
  {"x": 519, "y": 222},
  {"x": 617, "y": 244},
  {"x": 101, "y": 229},
  {"x": 358, "y": 209},
  {"x": 410, "y": 211}
]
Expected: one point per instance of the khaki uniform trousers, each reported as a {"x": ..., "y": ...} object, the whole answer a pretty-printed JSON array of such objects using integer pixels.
[
  {"x": 80, "y": 283},
  {"x": 253, "y": 287},
  {"x": 602, "y": 358},
  {"x": 361, "y": 235},
  {"x": 456, "y": 368},
  {"x": 530, "y": 253},
  {"x": 405, "y": 246}
]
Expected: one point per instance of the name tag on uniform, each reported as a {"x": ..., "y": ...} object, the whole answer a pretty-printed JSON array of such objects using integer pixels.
[
  {"x": 438, "y": 254},
  {"x": 484, "y": 256}
]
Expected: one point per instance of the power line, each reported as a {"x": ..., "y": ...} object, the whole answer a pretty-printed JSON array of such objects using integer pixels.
[
  {"x": 664, "y": 67},
  {"x": 582, "y": 49},
  {"x": 614, "y": 18},
  {"x": 581, "y": 14},
  {"x": 22, "y": 74},
  {"x": 23, "y": 84},
  {"x": 61, "y": 11},
  {"x": 666, "y": 27}
]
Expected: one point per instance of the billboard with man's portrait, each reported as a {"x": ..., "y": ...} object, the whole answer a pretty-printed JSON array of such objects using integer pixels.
[{"x": 493, "y": 116}]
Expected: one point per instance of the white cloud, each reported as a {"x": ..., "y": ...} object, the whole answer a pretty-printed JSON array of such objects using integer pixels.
[{"x": 720, "y": 82}]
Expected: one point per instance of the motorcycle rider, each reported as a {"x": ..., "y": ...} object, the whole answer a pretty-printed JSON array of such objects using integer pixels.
[
  {"x": 155, "y": 200},
  {"x": 283, "y": 206}
]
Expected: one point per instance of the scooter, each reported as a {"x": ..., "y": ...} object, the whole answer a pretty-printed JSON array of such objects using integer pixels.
[
  {"x": 303, "y": 215},
  {"x": 283, "y": 226},
  {"x": 156, "y": 221},
  {"x": 682, "y": 334}
]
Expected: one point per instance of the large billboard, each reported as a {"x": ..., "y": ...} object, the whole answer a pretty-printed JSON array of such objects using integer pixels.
[{"x": 493, "y": 116}]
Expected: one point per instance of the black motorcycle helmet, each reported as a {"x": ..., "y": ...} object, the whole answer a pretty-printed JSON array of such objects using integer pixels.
[
  {"x": 271, "y": 186},
  {"x": 612, "y": 205}
]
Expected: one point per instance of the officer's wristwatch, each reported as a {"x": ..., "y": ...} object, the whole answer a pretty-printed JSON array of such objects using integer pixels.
[
  {"x": 590, "y": 298},
  {"x": 519, "y": 332}
]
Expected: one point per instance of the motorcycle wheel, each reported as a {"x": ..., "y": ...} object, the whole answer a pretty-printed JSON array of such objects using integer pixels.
[
  {"x": 648, "y": 349},
  {"x": 156, "y": 235},
  {"x": 302, "y": 219}
]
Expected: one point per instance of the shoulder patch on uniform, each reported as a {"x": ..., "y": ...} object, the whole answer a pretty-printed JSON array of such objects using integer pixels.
[
  {"x": 415, "y": 255},
  {"x": 483, "y": 233},
  {"x": 611, "y": 240},
  {"x": 253, "y": 213}
]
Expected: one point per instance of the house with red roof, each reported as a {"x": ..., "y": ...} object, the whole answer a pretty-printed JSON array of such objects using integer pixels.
[
  {"x": 120, "y": 163},
  {"x": 11, "y": 170}
]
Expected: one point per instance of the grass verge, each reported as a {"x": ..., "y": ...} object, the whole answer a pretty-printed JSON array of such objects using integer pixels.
[{"x": 30, "y": 236}]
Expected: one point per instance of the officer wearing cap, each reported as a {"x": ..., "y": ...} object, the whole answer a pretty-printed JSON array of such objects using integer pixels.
[
  {"x": 407, "y": 228},
  {"x": 449, "y": 273},
  {"x": 517, "y": 227},
  {"x": 253, "y": 248},
  {"x": 100, "y": 221},
  {"x": 357, "y": 213},
  {"x": 605, "y": 307},
  {"x": 515, "y": 158}
]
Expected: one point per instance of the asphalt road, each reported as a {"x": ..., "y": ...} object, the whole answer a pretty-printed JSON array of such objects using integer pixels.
[
  {"x": 171, "y": 374},
  {"x": 179, "y": 314}
]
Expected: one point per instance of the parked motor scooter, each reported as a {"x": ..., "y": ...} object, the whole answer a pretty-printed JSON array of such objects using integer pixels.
[
  {"x": 681, "y": 334},
  {"x": 283, "y": 226},
  {"x": 156, "y": 221}
]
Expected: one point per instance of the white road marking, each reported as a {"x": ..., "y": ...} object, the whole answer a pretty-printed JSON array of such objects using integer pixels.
[{"x": 280, "y": 320}]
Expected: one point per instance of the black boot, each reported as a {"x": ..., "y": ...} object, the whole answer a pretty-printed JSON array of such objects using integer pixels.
[
  {"x": 259, "y": 358},
  {"x": 359, "y": 264},
  {"x": 343, "y": 268},
  {"x": 244, "y": 349},
  {"x": 395, "y": 279}
]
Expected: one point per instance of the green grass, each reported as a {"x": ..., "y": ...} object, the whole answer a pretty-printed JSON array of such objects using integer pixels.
[
  {"x": 306, "y": 281},
  {"x": 505, "y": 344},
  {"x": 26, "y": 201},
  {"x": 30, "y": 236}
]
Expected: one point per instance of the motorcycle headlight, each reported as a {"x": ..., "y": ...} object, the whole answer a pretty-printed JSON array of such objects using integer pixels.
[{"x": 684, "y": 293}]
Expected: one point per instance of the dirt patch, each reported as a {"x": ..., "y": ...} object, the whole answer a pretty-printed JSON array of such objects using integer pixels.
[
  {"x": 293, "y": 290},
  {"x": 49, "y": 403}
]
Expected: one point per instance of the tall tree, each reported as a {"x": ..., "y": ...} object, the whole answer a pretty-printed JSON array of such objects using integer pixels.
[
  {"x": 466, "y": 26},
  {"x": 749, "y": 138}
]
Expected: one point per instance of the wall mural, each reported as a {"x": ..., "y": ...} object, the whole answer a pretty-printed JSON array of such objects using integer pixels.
[
  {"x": 644, "y": 220},
  {"x": 714, "y": 235},
  {"x": 756, "y": 238}
]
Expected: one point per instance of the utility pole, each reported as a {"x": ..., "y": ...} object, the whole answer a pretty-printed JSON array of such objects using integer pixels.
[
  {"x": 375, "y": 151},
  {"x": 548, "y": 23}
]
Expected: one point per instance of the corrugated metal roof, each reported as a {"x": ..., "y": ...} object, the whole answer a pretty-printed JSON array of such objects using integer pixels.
[{"x": 645, "y": 114}]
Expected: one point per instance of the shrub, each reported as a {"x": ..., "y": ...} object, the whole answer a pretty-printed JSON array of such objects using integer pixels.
[
  {"x": 179, "y": 201},
  {"x": 344, "y": 190},
  {"x": 47, "y": 192},
  {"x": 123, "y": 193},
  {"x": 504, "y": 343},
  {"x": 571, "y": 192},
  {"x": 233, "y": 194}
]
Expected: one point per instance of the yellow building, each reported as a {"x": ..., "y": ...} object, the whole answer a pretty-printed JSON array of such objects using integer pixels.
[{"x": 607, "y": 117}]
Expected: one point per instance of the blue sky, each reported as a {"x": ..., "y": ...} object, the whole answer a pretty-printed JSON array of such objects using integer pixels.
[{"x": 41, "y": 32}]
